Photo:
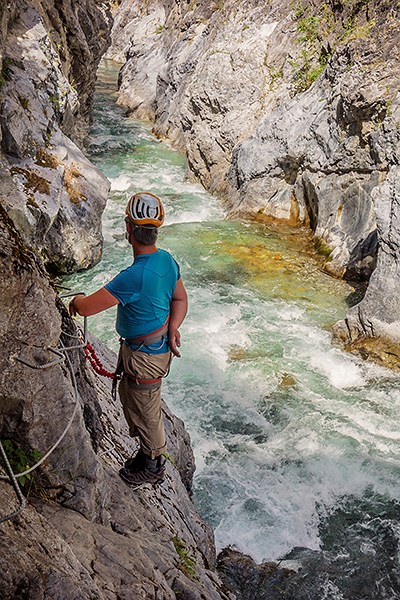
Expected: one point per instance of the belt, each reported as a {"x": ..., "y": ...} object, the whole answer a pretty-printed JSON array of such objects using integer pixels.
[
  {"x": 151, "y": 338},
  {"x": 143, "y": 384}
]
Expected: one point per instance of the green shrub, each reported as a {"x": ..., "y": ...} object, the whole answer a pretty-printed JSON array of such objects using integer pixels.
[
  {"x": 20, "y": 460},
  {"x": 186, "y": 563}
]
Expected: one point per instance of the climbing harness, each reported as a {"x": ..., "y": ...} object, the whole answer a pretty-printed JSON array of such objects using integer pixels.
[
  {"x": 144, "y": 341},
  {"x": 143, "y": 384},
  {"x": 151, "y": 338}
]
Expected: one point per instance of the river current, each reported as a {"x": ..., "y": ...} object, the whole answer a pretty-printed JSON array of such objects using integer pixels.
[{"x": 296, "y": 442}]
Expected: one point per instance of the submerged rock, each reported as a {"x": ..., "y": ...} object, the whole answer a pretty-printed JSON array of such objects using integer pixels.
[
  {"x": 356, "y": 560},
  {"x": 241, "y": 575}
]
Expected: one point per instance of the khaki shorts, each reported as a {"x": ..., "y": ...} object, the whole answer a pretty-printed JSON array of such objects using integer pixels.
[{"x": 142, "y": 408}]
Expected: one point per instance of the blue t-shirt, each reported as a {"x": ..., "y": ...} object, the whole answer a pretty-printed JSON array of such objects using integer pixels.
[{"x": 145, "y": 290}]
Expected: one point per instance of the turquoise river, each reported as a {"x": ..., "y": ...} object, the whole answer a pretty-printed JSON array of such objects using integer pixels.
[{"x": 296, "y": 442}]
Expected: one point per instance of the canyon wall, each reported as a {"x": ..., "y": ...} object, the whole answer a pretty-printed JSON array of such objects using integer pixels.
[
  {"x": 83, "y": 533},
  {"x": 288, "y": 112},
  {"x": 54, "y": 195}
]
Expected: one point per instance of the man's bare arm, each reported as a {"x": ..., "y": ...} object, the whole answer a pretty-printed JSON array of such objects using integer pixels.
[
  {"x": 93, "y": 304},
  {"x": 178, "y": 308}
]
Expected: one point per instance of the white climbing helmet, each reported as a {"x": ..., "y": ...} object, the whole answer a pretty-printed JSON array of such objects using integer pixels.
[{"x": 145, "y": 209}]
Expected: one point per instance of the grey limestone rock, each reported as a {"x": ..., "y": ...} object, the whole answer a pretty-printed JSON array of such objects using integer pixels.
[
  {"x": 80, "y": 34},
  {"x": 324, "y": 156},
  {"x": 265, "y": 581},
  {"x": 204, "y": 75},
  {"x": 296, "y": 166},
  {"x": 134, "y": 22},
  {"x": 378, "y": 314},
  {"x": 59, "y": 195}
]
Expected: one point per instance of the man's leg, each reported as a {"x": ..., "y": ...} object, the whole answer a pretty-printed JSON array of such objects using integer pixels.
[{"x": 142, "y": 409}]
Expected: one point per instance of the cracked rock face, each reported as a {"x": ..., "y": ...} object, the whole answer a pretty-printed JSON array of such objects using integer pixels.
[
  {"x": 298, "y": 159},
  {"x": 204, "y": 73},
  {"x": 59, "y": 195},
  {"x": 378, "y": 315}
]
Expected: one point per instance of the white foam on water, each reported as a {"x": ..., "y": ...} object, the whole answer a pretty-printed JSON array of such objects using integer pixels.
[
  {"x": 374, "y": 427},
  {"x": 309, "y": 461},
  {"x": 269, "y": 511},
  {"x": 340, "y": 372},
  {"x": 331, "y": 592},
  {"x": 290, "y": 313},
  {"x": 202, "y": 215},
  {"x": 121, "y": 183},
  {"x": 204, "y": 447},
  {"x": 212, "y": 328}
]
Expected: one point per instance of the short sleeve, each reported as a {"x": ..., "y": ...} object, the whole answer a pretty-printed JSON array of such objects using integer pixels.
[{"x": 122, "y": 287}]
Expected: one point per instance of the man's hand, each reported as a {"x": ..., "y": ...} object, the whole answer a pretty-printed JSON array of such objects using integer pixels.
[
  {"x": 72, "y": 308},
  {"x": 174, "y": 341}
]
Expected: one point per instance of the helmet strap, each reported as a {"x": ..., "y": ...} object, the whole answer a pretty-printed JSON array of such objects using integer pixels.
[{"x": 129, "y": 233}]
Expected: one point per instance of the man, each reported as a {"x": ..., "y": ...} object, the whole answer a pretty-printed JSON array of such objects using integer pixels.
[{"x": 151, "y": 305}]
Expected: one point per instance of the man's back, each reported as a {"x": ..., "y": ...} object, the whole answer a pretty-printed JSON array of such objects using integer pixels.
[{"x": 144, "y": 291}]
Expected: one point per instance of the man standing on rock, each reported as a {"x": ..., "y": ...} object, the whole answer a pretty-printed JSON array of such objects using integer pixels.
[{"x": 152, "y": 304}]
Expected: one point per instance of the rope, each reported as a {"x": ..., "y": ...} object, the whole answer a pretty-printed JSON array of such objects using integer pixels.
[
  {"x": 15, "y": 485},
  {"x": 45, "y": 365},
  {"x": 97, "y": 365}
]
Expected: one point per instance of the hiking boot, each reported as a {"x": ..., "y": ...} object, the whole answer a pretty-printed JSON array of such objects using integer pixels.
[
  {"x": 137, "y": 462},
  {"x": 152, "y": 472}
]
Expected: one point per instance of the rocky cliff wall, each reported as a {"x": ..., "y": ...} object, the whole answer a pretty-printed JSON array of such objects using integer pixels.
[
  {"x": 288, "y": 112},
  {"x": 46, "y": 92},
  {"x": 83, "y": 533},
  {"x": 203, "y": 71}
]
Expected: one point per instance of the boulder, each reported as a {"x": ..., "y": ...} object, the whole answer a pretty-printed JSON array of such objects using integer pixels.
[{"x": 59, "y": 196}]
